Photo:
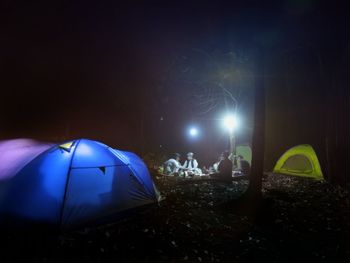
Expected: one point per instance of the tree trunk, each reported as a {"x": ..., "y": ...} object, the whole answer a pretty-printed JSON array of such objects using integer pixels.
[
  {"x": 233, "y": 148},
  {"x": 250, "y": 202},
  {"x": 142, "y": 133},
  {"x": 257, "y": 169}
]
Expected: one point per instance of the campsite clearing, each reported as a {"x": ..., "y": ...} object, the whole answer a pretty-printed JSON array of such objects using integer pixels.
[{"x": 300, "y": 219}]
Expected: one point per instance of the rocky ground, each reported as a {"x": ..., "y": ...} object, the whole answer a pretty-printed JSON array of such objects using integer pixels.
[{"x": 299, "y": 220}]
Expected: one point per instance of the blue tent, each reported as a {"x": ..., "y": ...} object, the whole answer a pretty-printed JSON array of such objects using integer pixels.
[{"x": 76, "y": 183}]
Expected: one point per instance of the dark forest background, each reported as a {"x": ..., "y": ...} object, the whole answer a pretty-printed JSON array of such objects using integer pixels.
[{"x": 101, "y": 71}]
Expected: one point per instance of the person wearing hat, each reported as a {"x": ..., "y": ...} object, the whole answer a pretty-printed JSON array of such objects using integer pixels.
[
  {"x": 191, "y": 165},
  {"x": 172, "y": 166}
]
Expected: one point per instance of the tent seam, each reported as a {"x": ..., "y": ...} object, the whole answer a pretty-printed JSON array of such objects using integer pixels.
[{"x": 67, "y": 182}]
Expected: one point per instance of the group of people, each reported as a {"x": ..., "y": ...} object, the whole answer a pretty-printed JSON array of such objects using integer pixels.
[
  {"x": 223, "y": 168},
  {"x": 189, "y": 168}
]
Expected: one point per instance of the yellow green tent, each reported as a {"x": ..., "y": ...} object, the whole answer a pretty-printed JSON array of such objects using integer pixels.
[{"x": 300, "y": 160}]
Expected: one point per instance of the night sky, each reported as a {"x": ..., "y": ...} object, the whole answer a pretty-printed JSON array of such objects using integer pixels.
[{"x": 118, "y": 73}]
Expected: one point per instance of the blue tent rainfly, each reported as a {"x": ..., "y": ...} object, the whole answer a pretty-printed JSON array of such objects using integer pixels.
[{"x": 76, "y": 183}]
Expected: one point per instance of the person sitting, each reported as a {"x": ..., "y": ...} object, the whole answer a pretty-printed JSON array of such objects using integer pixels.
[
  {"x": 172, "y": 166},
  {"x": 216, "y": 165},
  {"x": 224, "y": 168},
  {"x": 190, "y": 166},
  {"x": 243, "y": 165}
]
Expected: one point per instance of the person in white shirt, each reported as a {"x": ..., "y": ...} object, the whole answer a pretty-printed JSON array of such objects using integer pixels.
[
  {"x": 216, "y": 165},
  {"x": 191, "y": 166},
  {"x": 172, "y": 166}
]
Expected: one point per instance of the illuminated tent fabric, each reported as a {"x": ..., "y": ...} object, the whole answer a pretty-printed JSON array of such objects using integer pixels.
[
  {"x": 17, "y": 153},
  {"x": 300, "y": 160},
  {"x": 245, "y": 151},
  {"x": 75, "y": 183}
]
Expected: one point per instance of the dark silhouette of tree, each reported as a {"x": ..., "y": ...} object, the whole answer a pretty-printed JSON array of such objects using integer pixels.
[
  {"x": 258, "y": 145},
  {"x": 212, "y": 80}
]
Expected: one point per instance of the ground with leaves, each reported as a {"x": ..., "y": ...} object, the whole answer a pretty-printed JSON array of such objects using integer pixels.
[{"x": 299, "y": 219}]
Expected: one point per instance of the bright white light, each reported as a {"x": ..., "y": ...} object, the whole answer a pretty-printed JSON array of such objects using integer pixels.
[
  {"x": 193, "y": 132},
  {"x": 230, "y": 123}
]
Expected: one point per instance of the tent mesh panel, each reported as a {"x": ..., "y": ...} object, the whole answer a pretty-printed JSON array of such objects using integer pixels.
[{"x": 298, "y": 164}]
